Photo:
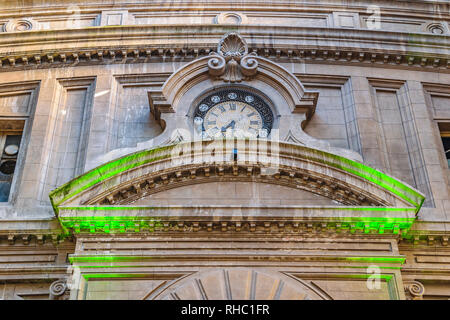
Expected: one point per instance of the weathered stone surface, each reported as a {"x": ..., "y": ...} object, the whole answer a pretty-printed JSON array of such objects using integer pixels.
[{"x": 88, "y": 83}]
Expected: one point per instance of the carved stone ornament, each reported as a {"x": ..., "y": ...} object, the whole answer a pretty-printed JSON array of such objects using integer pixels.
[
  {"x": 19, "y": 25},
  {"x": 232, "y": 62},
  {"x": 414, "y": 290},
  {"x": 231, "y": 18},
  {"x": 57, "y": 289},
  {"x": 435, "y": 28}
]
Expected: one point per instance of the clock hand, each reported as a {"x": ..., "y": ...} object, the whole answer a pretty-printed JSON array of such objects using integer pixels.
[{"x": 231, "y": 124}]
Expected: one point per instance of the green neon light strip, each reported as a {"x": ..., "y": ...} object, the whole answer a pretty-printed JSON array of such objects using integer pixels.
[
  {"x": 104, "y": 172},
  {"x": 134, "y": 266},
  {"x": 389, "y": 187},
  {"x": 365, "y": 267},
  {"x": 376, "y": 177},
  {"x": 393, "y": 185},
  {"x": 377, "y": 259},
  {"x": 115, "y": 275},
  {"x": 115, "y": 167},
  {"x": 113, "y": 224},
  {"x": 112, "y": 259},
  {"x": 123, "y": 208},
  {"x": 88, "y": 276},
  {"x": 158, "y": 219},
  {"x": 385, "y": 277},
  {"x": 137, "y": 226}
]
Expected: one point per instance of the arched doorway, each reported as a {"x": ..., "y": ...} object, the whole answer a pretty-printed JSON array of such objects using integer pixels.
[{"x": 237, "y": 284}]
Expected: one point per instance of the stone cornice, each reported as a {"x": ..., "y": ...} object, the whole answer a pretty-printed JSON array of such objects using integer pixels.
[
  {"x": 421, "y": 234},
  {"x": 281, "y": 227},
  {"x": 399, "y": 7},
  {"x": 259, "y": 219},
  {"x": 135, "y": 44},
  {"x": 28, "y": 230}
]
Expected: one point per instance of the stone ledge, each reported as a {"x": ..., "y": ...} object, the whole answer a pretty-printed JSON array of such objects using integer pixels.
[
  {"x": 137, "y": 44},
  {"x": 287, "y": 219}
]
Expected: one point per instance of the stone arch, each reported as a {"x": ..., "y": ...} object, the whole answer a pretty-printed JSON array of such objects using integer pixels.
[
  {"x": 237, "y": 284},
  {"x": 137, "y": 175},
  {"x": 103, "y": 198}
]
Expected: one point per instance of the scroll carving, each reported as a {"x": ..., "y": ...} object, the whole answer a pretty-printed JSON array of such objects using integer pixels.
[
  {"x": 414, "y": 290},
  {"x": 57, "y": 289},
  {"x": 232, "y": 62}
]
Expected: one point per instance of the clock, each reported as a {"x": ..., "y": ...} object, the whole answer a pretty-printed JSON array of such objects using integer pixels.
[{"x": 233, "y": 112}]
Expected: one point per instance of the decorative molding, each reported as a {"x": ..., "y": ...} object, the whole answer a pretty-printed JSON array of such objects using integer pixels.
[
  {"x": 422, "y": 9},
  {"x": 78, "y": 83},
  {"x": 429, "y": 52},
  {"x": 436, "y": 28},
  {"x": 385, "y": 83},
  {"x": 126, "y": 55},
  {"x": 419, "y": 13},
  {"x": 30, "y": 88},
  {"x": 20, "y": 25},
  {"x": 64, "y": 87},
  {"x": 251, "y": 220},
  {"x": 427, "y": 237},
  {"x": 436, "y": 88},
  {"x": 233, "y": 18},
  {"x": 278, "y": 225},
  {"x": 41, "y": 237},
  {"x": 114, "y": 18},
  {"x": 57, "y": 289},
  {"x": 414, "y": 290},
  {"x": 166, "y": 180},
  {"x": 345, "y": 19},
  {"x": 231, "y": 62}
]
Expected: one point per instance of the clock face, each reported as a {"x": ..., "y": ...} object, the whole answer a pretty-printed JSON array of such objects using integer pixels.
[{"x": 233, "y": 113}]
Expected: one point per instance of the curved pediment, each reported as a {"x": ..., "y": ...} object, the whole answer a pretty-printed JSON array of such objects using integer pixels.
[
  {"x": 151, "y": 171},
  {"x": 117, "y": 186},
  {"x": 233, "y": 64}
]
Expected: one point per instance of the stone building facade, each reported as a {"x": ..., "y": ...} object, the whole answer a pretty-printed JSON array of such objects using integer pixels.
[{"x": 212, "y": 150}]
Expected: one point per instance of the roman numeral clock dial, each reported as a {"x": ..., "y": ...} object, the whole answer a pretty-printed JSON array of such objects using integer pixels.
[{"x": 229, "y": 113}]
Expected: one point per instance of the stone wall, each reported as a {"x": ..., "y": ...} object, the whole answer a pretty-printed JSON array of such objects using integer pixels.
[{"x": 75, "y": 82}]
